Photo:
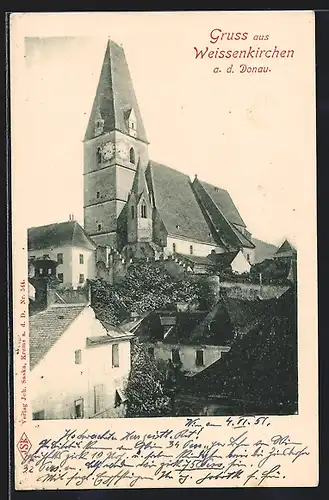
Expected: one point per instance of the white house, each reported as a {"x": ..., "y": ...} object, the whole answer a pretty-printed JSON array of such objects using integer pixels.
[
  {"x": 78, "y": 365},
  {"x": 68, "y": 244}
]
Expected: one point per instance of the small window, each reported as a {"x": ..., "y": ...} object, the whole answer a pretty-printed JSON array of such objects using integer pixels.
[
  {"x": 174, "y": 247},
  {"x": 132, "y": 156},
  {"x": 99, "y": 155},
  {"x": 199, "y": 360},
  {"x": 78, "y": 408},
  {"x": 150, "y": 351},
  {"x": 77, "y": 357},
  {"x": 60, "y": 277},
  {"x": 132, "y": 212},
  {"x": 191, "y": 249},
  {"x": 115, "y": 355},
  {"x": 81, "y": 278},
  {"x": 175, "y": 357},
  {"x": 40, "y": 270},
  {"x": 132, "y": 125},
  {"x": 143, "y": 211},
  {"x": 99, "y": 227},
  {"x": 49, "y": 271},
  {"x": 38, "y": 415},
  {"x": 97, "y": 194},
  {"x": 81, "y": 258},
  {"x": 60, "y": 258},
  {"x": 177, "y": 226},
  {"x": 248, "y": 257}
]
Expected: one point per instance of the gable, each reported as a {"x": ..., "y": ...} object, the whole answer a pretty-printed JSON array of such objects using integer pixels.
[{"x": 176, "y": 204}]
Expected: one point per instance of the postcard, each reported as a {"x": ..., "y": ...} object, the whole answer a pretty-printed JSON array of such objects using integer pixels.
[{"x": 164, "y": 249}]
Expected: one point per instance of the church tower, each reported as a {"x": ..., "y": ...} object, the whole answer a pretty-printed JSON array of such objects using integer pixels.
[{"x": 114, "y": 144}]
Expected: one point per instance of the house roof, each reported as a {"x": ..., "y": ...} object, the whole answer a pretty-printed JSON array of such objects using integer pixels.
[
  {"x": 176, "y": 204},
  {"x": 187, "y": 328},
  {"x": 59, "y": 234},
  {"x": 224, "y": 260},
  {"x": 255, "y": 357},
  {"x": 47, "y": 327},
  {"x": 286, "y": 247},
  {"x": 224, "y": 202},
  {"x": 115, "y": 96},
  {"x": 195, "y": 259}
]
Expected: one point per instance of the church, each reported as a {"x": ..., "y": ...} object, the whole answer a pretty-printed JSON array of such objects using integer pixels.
[{"x": 140, "y": 209}]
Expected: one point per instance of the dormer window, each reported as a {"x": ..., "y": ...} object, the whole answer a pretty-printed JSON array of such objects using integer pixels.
[
  {"x": 143, "y": 210},
  {"x": 132, "y": 156},
  {"x": 132, "y": 212},
  {"x": 99, "y": 123},
  {"x": 131, "y": 122}
]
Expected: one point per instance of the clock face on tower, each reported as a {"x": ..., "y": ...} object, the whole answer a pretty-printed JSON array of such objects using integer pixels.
[{"x": 107, "y": 151}]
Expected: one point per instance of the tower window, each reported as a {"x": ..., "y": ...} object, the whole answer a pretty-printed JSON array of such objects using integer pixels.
[
  {"x": 132, "y": 155},
  {"x": 99, "y": 155},
  {"x": 97, "y": 194},
  {"x": 60, "y": 258},
  {"x": 99, "y": 227},
  {"x": 248, "y": 257},
  {"x": 81, "y": 258},
  {"x": 191, "y": 249},
  {"x": 143, "y": 211},
  {"x": 174, "y": 247},
  {"x": 132, "y": 212}
]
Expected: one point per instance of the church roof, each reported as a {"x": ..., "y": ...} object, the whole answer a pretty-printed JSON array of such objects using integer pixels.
[
  {"x": 58, "y": 234},
  {"x": 224, "y": 202},
  {"x": 177, "y": 206},
  {"x": 115, "y": 96}
]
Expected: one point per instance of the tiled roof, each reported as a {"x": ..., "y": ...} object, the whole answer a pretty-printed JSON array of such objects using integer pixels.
[
  {"x": 176, "y": 204},
  {"x": 195, "y": 259},
  {"x": 58, "y": 234},
  {"x": 187, "y": 328},
  {"x": 115, "y": 96},
  {"x": 47, "y": 327},
  {"x": 286, "y": 247},
  {"x": 224, "y": 260},
  {"x": 224, "y": 202}
]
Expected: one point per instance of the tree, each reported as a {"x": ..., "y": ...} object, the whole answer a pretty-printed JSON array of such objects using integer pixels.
[
  {"x": 146, "y": 287},
  {"x": 145, "y": 391}
]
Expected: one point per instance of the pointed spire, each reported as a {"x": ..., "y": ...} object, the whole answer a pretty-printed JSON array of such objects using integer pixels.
[
  {"x": 115, "y": 95},
  {"x": 139, "y": 183}
]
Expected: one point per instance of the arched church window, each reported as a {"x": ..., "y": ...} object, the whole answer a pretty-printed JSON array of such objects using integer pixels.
[
  {"x": 132, "y": 212},
  {"x": 132, "y": 155},
  {"x": 143, "y": 211},
  {"x": 174, "y": 247}
]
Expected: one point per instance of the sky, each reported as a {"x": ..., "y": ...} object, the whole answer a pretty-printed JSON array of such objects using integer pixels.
[{"x": 244, "y": 133}]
